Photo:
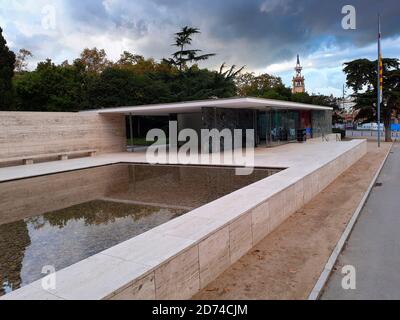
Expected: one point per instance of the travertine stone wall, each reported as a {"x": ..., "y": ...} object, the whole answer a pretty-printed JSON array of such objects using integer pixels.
[
  {"x": 35, "y": 133},
  {"x": 66, "y": 189}
]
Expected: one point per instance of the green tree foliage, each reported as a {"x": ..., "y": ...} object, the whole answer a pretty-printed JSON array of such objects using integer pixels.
[
  {"x": 7, "y": 64},
  {"x": 263, "y": 86},
  {"x": 131, "y": 82},
  {"x": 184, "y": 56},
  {"x": 129, "y": 59},
  {"x": 52, "y": 88},
  {"x": 125, "y": 86},
  {"x": 140, "y": 65},
  {"x": 317, "y": 99},
  {"x": 93, "y": 81},
  {"x": 198, "y": 84},
  {"x": 271, "y": 87},
  {"x": 95, "y": 60},
  {"x": 21, "y": 63},
  {"x": 362, "y": 75}
]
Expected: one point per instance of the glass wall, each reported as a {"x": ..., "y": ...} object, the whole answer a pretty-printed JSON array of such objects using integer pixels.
[
  {"x": 292, "y": 124},
  {"x": 321, "y": 122},
  {"x": 277, "y": 127},
  {"x": 262, "y": 128}
]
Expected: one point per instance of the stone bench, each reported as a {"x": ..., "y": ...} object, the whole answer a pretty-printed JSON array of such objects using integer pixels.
[{"x": 61, "y": 156}]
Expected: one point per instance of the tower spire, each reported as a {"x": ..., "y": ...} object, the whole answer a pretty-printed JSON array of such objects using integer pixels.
[{"x": 298, "y": 79}]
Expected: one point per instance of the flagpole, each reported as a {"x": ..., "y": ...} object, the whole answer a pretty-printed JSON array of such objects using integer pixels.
[{"x": 379, "y": 81}]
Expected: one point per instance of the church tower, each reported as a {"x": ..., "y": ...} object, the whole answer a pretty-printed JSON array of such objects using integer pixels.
[{"x": 298, "y": 79}]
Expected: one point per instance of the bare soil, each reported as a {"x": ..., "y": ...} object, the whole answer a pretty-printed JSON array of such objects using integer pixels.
[{"x": 288, "y": 262}]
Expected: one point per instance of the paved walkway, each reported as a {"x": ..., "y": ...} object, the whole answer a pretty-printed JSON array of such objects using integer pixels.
[
  {"x": 308, "y": 156},
  {"x": 374, "y": 246},
  {"x": 289, "y": 261}
]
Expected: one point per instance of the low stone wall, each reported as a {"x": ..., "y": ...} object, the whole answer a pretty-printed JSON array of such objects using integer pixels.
[
  {"x": 35, "y": 133},
  {"x": 179, "y": 258}
]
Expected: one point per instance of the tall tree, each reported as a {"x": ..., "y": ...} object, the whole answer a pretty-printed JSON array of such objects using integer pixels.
[
  {"x": 123, "y": 86},
  {"x": 137, "y": 63},
  {"x": 127, "y": 58},
  {"x": 52, "y": 88},
  {"x": 183, "y": 55},
  {"x": 7, "y": 64},
  {"x": 21, "y": 62},
  {"x": 264, "y": 86},
  {"x": 95, "y": 60},
  {"x": 362, "y": 78},
  {"x": 231, "y": 73}
]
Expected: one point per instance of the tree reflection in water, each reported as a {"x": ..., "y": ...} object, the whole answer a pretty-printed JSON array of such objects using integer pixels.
[
  {"x": 64, "y": 237},
  {"x": 14, "y": 239}
]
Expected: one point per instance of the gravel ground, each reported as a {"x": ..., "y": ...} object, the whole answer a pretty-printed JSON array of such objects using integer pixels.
[{"x": 289, "y": 261}]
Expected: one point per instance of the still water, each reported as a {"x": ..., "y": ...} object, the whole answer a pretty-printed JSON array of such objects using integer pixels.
[
  {"x": 61, "y": 219},
  {"x": 62, "y": 238}
]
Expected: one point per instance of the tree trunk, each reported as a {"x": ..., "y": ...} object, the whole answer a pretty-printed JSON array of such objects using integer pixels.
[
  {"x": 387, "y": 117},
  {"x": 180, "y": 57}
]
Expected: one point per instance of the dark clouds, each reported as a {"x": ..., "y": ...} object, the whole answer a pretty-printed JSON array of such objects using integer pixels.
[
  {"x": 270, "y": 30},
  {"x": 256, "y": 33},
  {"x": 291, "y": 26}
]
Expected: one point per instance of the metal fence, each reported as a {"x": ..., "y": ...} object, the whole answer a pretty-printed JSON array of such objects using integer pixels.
[{"x": 370, "y": 134}]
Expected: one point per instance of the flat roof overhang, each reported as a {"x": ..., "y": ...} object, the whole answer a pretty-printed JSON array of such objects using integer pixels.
[{"x": 196, "y": 106}]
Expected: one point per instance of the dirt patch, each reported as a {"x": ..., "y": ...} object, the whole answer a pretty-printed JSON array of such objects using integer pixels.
[{"x": 288, "y": 262}]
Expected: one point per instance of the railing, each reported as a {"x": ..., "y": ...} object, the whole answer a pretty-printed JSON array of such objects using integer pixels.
[{"x": 370, "y": 134}]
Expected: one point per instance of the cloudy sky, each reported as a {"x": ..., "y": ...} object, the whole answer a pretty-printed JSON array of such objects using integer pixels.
[{"x": 264, "y": 35}]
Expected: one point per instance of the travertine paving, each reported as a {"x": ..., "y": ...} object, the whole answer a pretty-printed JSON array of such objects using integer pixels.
[{"x": 286, "y": 156}]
